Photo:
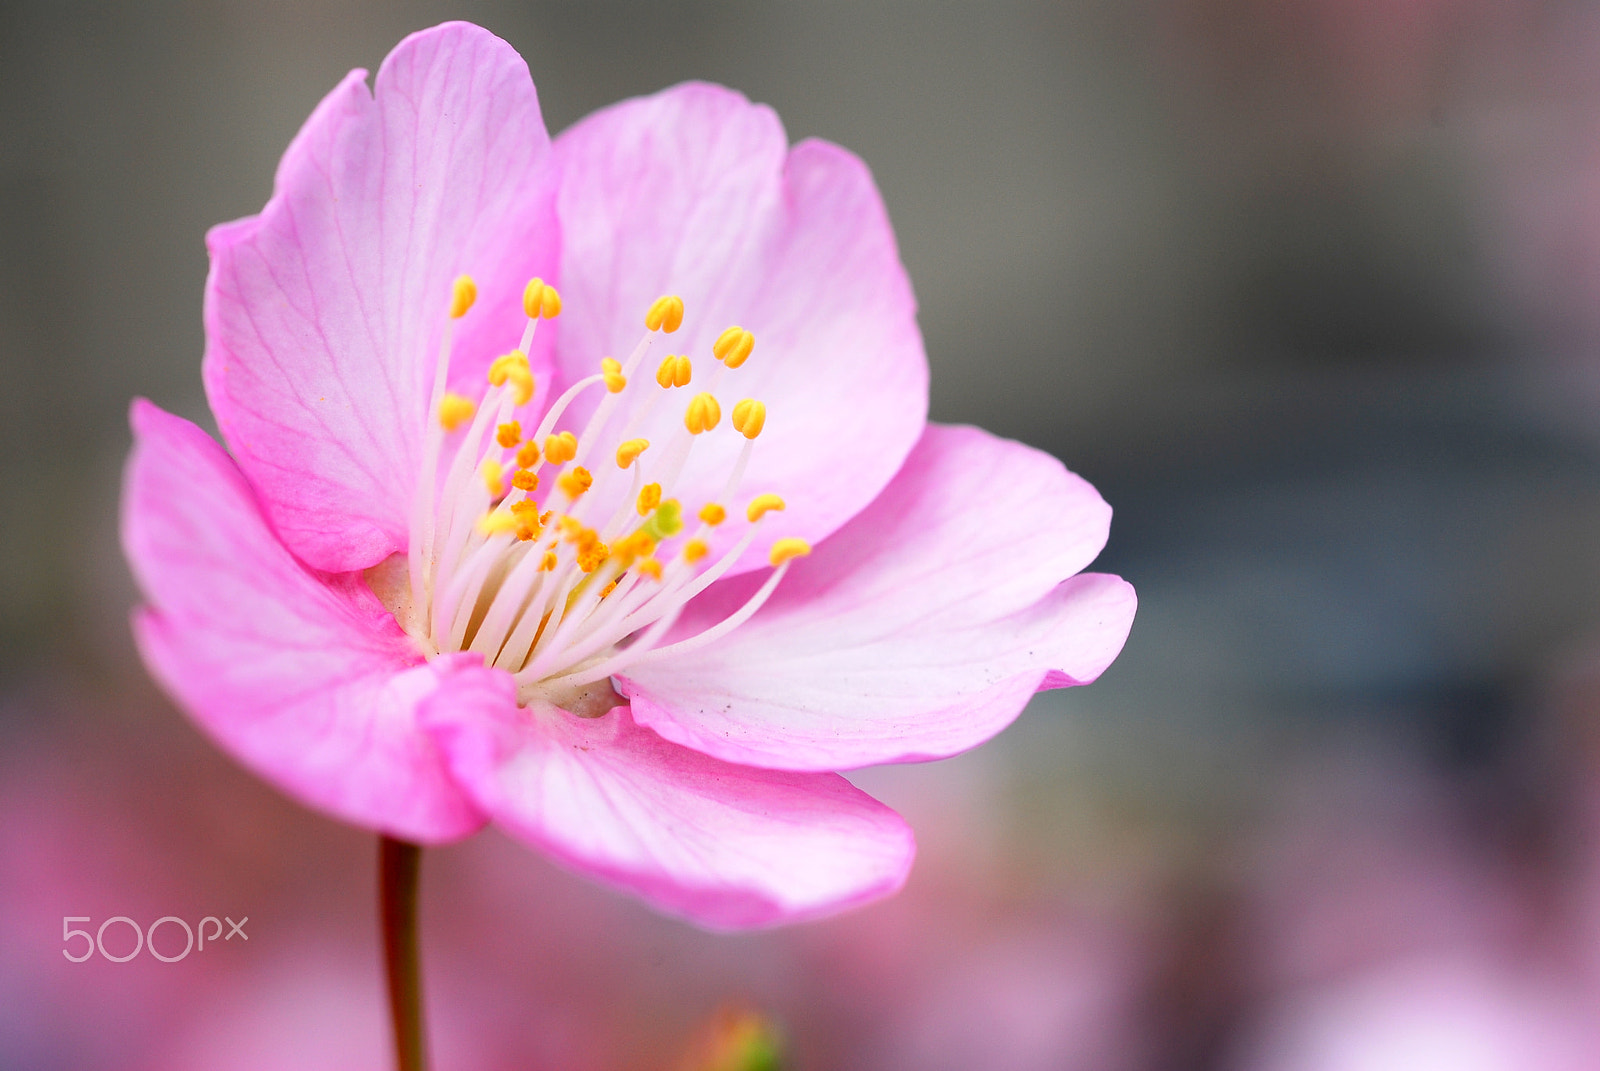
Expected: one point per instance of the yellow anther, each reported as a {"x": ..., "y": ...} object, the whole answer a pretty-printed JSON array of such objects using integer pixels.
[
  {"x": 513, "y": 367},
  {"x": 454, "y": 411},
  {"x": 749, "y": 417},
  {"x": 702, "y": 414},
  {"x": 611, "y": 368},
  {"x": 637, "y": 545},
  {"x": 576, "y": 482},
  {"x": 694, "y": 550},
  {"x": 629, "y": 451},
  {"x": 713, "y": 514},
  {"x": 548, "y": 563},
  {"x": 463, "y": 292},
  {"x": 570, "y": 527},
  {"x": 649, "y": 567},
  {"x": 524, "y": 480},
  {"x": 500, "y": 367},
  {"x": 591, "y": 556},
  {"x": 494, "y": 477},
  {"x": 497, "y": 523},
  {"x": 674, "y": 371},
  {"x": 560, "y": 448},
  {"x": 666, "y": 314},
  {"x": 733, "y": 346},
  {"x": 541, "y": 299},
  {"x": 761, "y": 505},
  {"x": 649, "y": 499},
  {"x": 526, "y": 513},
  {"x": 522, "y": 382},
  {"x": 528, "y": 454},
  {"x": 725, "y": 342},
  {"x": 608, "y": 589},
  {"x": 786, "y": 549},
  {"x": 510, "y": 434}
]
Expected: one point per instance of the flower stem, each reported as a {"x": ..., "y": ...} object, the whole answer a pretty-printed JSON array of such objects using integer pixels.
[{"x": 399, "y": 865}]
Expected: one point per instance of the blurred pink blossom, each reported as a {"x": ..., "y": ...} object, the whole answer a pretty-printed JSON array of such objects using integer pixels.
[{"x": 1441, "y": 1014}]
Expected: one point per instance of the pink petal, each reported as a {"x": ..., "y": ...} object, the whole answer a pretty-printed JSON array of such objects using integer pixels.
[
  {"x": 725, "y": 846},
  {"x": 305, "y": 679},
  {"x": 694, "y": 191},
  {"x": 918, "y": 631},
  {"x": 324, "y": 313}
]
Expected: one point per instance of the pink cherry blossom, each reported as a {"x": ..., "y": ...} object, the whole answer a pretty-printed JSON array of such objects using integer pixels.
[{"x": 639, "y": 666}]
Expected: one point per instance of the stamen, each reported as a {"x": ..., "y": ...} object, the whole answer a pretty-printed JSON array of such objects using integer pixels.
[
  {"x": 494, "y": 477},
  {"x": 615, "y": 380},
  {"x": 513, "y": 367},
  {"x": 497, "y": 523},
  {"x": 526, "y": 514},
  {"x": 717, "y": 631},
  {"x": 637, "y": 545},
  {"x": 540, "y": 299},
  {"x": 649, "y": 498},
  {"x": 674, "y": 371},
  {"x": 576, "y": 482},
  {"x": 454, "y": 411},
  {"x": 559, "y": 449},
  {"x": 591, "y": 557},
  {"x": 737, "y": 475},
  {"x": 636, "y": 611},
  {"x": 463, "y": 292},
  {"x": 702, "y": 414},
  {"x": 761, "y": 505},
  {"x": 785, "y": 550},
  {"x": 749, "y": 417},
  {"x": 424, "y": 522},
  {"x": 548, "y": 424},
  {"x": 531, "y": 635},
  {"x": 644, "y": 647},
  {"x": 629, "y": 451},
  {"x": 665, "y": 314},
  {"x": 548, "y": 597},
  {"x": 506, "y": 636},
  {"x": 455, "y": 527},
  {"x": 733, "y": 347}
]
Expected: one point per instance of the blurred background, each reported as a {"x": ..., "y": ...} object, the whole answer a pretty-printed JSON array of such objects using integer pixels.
[{"x": 1310, "y": 291}]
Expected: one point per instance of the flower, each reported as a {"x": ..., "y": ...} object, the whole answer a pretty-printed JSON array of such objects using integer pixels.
[{"x": 473, "y": 558}]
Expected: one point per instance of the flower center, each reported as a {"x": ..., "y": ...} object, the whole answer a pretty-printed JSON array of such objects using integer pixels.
[{"x": 563, "y": 557}]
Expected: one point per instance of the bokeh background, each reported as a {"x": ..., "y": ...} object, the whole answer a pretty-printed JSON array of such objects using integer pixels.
[{"x": 1310, "y": 291}]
